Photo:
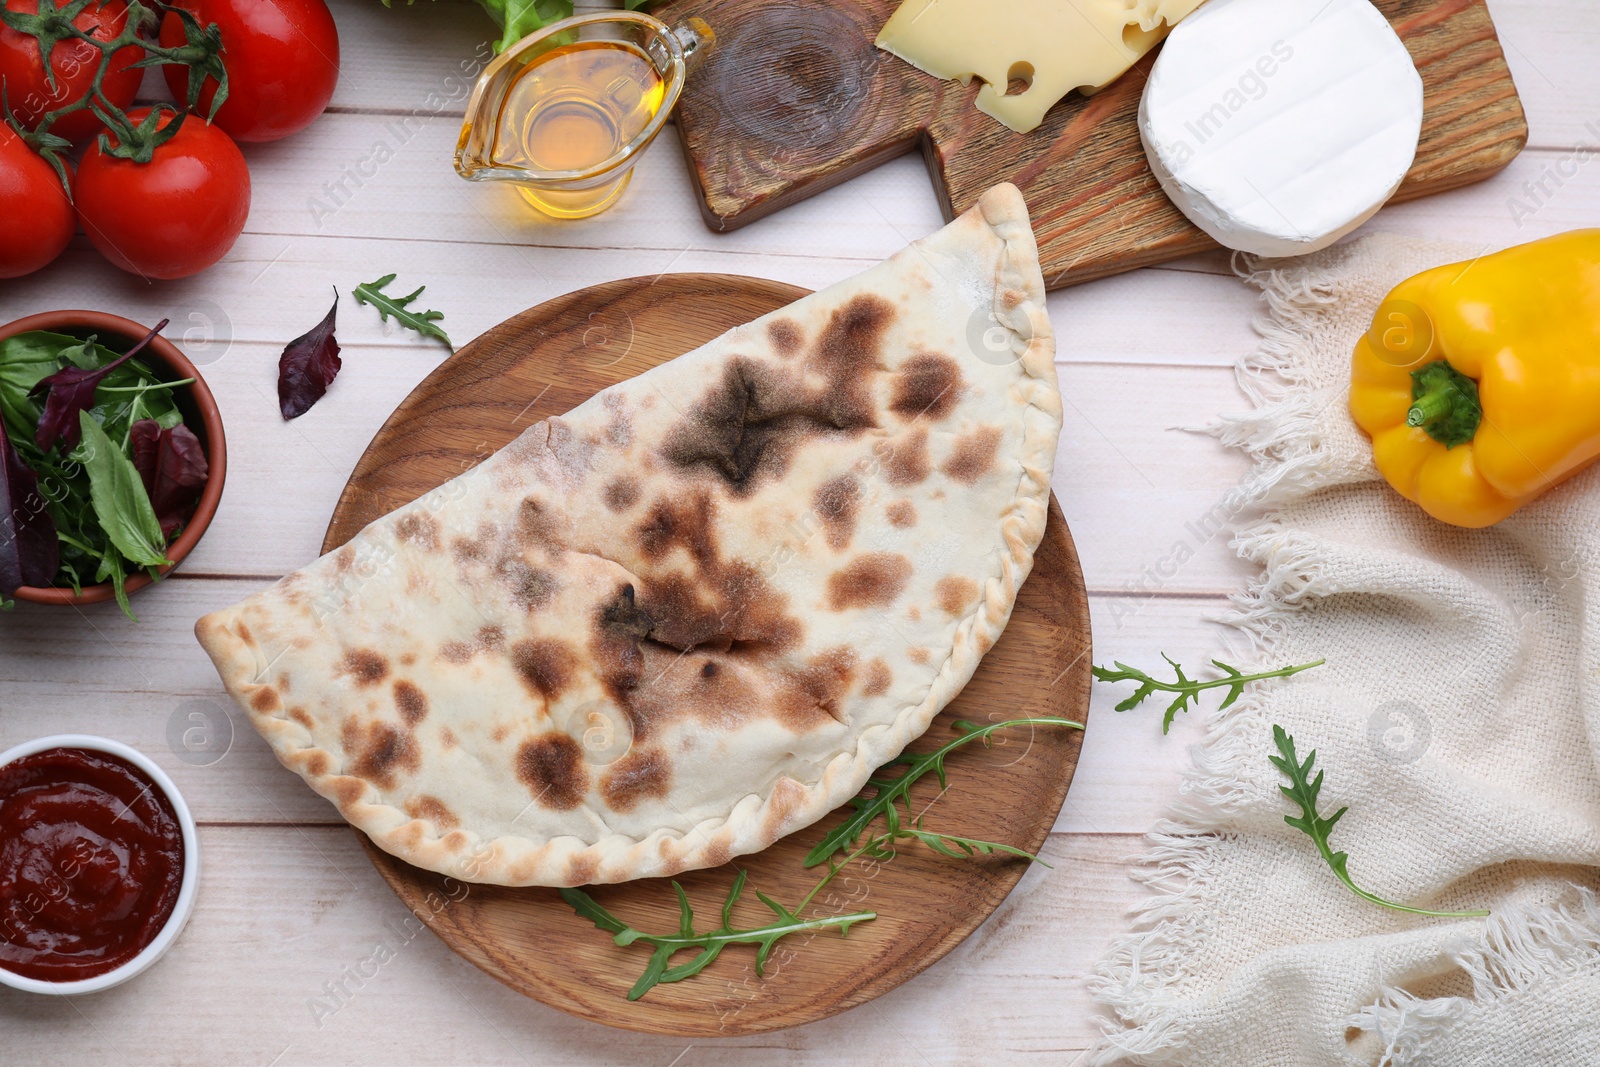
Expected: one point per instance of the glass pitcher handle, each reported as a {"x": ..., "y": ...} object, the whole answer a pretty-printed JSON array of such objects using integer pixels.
[{"x": 696, "y": 39}]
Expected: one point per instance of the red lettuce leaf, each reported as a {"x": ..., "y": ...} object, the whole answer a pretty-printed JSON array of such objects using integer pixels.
[
  {"x": 30, "y": 553},
  {"x": 308, "y": 366},
  {"x": 173, "y": 466},
  {"x": 72, "y": 391}
]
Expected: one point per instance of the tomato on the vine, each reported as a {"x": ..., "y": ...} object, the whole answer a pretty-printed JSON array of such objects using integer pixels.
[
  {"x": 282, "y": 58},
  {"x": 74, "y": 63},
  {"x": 36, "y": 219},
  {"x": 173, "y": 216}
]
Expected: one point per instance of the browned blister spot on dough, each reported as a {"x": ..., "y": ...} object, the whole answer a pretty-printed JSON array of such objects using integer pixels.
[
  {"x": 552, "y": 768},
  {"x": 926, "y": 386},
  {"x": 420, "y": 530},
  {"x": 642, "y": 773},
  {"x": 746, "y": 426},
  {"x": 364, "y": 666},
  {"x": 303, "y": 717},
  {"x": 917, "y": 654},
  {"x": 787, "y": 796},
  {"x": 545, "y": 665},
  {"x": 687, "y": 523},
  {"x": 317, "y": 764},
  {"x": 265, "y": 699},
  {"x": 851, "y": 341},
  {"x": 380, "y": 751},
  {"x": 347, "y": 790},
  {"x": 719, "y": 850},
  {"x": 535, "y": 522},
  {"x": 785, "y": 336},
  {"x": 447, "y": 738},
  {"x": 411, "y": 701},
  {"x": 955, "y": 593},
  {"x": 468, "y": 549},
  {"x": 973, "y": 455},
  {"x": 870, "y": 580},
  {"x": 622, "y": 493},
  {"x": 457, "y": 652},
  {"x": 433, "y": 810},
  {"x": 838, "y": 504},
  {"x": 531, "y": 587},
  {"x": 344, "y": 559},
  {"x": 906, "y": 460},
  {"x": 815, "y": 692},
  {"x": 902, "y": 514},
  {"x": 878, "y": 679},
  {"x": 583, "y": 868}
]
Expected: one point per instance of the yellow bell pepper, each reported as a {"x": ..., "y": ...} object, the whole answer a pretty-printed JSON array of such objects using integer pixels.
[{"x": 1479, "y": 382}]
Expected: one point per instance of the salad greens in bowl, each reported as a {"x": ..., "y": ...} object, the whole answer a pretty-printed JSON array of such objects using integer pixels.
[{"x": 112, "y": 458}]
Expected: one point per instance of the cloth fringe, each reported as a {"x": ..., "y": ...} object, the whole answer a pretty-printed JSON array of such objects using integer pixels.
[{"x": 1519, "y": 949}]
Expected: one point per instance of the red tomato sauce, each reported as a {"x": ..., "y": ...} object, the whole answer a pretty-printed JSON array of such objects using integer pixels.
[{"x": 91, "y": 861}]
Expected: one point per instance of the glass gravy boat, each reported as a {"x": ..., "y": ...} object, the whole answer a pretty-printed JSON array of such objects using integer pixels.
[{"x": 566, "y": 112}]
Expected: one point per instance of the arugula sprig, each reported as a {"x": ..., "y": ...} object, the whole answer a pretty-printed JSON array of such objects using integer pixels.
[
  {"x": 1305, "y": 791},
  {"x": 709, "y": 945},
  {"x": 889, "y": 791},
  {"x": 421, "y": 322},
  {"x": 1188, "y": 689}
]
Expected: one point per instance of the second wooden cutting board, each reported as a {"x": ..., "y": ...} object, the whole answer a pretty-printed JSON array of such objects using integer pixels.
[{"x": 794, "y": 99}]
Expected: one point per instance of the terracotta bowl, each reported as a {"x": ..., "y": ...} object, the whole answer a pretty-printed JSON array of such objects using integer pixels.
[{"x": 200, "y": 413}]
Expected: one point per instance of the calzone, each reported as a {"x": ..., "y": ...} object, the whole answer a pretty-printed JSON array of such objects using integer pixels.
[{"x": 693, "y": 614}]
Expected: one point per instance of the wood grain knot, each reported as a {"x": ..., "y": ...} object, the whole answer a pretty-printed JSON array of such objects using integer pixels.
[{"x": 795, "y": 79}]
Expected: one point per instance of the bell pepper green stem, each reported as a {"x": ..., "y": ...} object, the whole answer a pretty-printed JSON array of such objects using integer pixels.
[
  {"x": 1430, "y": 406},
  {"x": 1444, "y": 403}
]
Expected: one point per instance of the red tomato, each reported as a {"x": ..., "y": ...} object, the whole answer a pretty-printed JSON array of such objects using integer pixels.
[
  {"x": 282, "y": 58},
  {"x": 171, "y": 217},
  {"x": 36, "y": 220},
  {"x": 74, "y": 63}
]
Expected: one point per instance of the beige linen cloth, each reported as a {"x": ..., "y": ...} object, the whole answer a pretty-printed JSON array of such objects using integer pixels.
[{"x": 1458, "y": 717}]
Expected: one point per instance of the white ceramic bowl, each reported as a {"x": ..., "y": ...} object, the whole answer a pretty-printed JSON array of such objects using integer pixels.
[{"x": 186, "y": 891}]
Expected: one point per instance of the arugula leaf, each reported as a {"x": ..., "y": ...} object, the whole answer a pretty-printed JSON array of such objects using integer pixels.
[
  {"x": 421, "y": 322},
  {"x": 1305, "y": 791},
  {"x": 708, "y": 945},
  {"x": 889, "y": 791},
  {"x": 1188, "y": 689},
  {"x": 120, "y": 502}
]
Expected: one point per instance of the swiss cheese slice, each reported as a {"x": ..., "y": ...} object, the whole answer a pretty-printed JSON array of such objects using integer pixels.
[
  {"x": 1055, "y": 46},
  {"x": 1278, "y": 126}
]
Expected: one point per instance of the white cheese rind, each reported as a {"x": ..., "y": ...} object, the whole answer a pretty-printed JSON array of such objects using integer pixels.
[{"x": 1279, "y": 126}]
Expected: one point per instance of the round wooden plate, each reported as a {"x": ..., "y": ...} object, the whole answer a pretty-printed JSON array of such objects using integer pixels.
[{"x": 548, "y": 360}]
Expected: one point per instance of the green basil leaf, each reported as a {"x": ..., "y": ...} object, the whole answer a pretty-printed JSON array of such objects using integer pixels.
[{"x": 120, "y": 502}]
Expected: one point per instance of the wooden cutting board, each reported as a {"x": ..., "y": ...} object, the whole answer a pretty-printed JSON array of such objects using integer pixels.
[
  {"x": 552, "y": 358},
  {"x": 794, "y": 99}
]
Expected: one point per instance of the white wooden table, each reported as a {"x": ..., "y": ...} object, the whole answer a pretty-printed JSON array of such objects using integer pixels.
[{"x": 289, "y": 907}]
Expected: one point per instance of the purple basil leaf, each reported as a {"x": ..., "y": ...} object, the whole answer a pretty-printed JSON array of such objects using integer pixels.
[
  {"x": 72, "y": 391},
  {"x": 30, "y": 553},
  {"x": 173, "y": 466},
  {"x": 308, "y": 366}
]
